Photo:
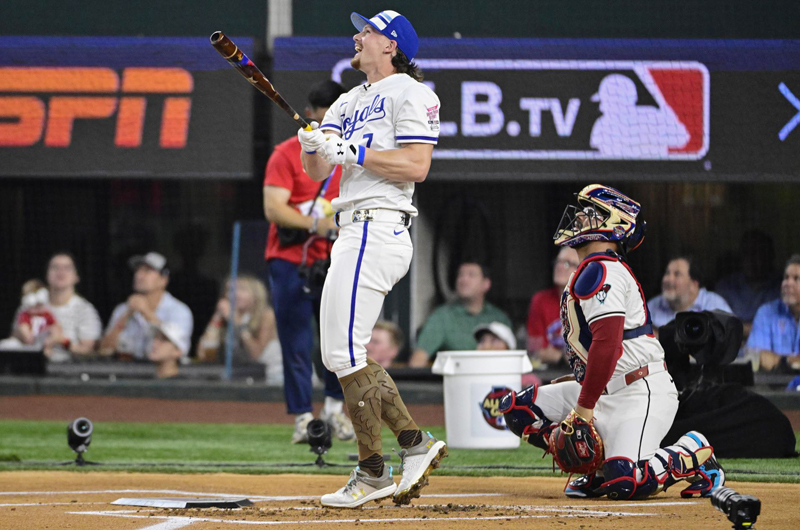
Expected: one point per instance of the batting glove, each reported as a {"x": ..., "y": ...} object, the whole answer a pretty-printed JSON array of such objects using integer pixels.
[
  {"x": 311, "y": 140},
  {"x": 337, "y": 151}
]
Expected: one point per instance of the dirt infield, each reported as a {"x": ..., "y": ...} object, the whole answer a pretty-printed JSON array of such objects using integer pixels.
[{"x": 56, "y": 499}]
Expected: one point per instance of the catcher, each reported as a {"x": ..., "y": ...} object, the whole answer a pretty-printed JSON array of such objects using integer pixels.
[{"x": 608, "y": 421}]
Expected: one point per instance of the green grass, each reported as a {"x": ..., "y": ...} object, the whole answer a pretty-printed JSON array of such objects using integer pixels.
[{"x": 261, "y": 449}]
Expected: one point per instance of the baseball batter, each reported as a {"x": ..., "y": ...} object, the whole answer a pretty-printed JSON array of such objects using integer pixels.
[
  {"x": 620, "y": 378},
  {"x": 382, "y": 133}
]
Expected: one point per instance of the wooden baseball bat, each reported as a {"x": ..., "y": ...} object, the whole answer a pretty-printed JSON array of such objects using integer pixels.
[{"x": 250, "y": 71}]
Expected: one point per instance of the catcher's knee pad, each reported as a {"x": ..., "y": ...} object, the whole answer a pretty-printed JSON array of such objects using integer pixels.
[
  {"x": 626, "y": 480},
  {"x": 524, "y": 418}
]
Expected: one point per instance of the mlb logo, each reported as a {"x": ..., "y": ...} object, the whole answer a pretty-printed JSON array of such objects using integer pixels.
[{"x": 677, "y": 128}]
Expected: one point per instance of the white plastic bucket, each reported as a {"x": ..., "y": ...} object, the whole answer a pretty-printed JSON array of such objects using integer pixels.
[{"x": 473, "y": 384}]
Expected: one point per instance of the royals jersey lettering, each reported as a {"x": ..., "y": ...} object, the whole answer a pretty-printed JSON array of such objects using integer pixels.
[
  {"x": 618, "y": 294},
  {"x": 382, "y": 116}
]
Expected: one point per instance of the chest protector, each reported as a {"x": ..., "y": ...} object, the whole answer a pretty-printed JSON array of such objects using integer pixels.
[{"x": 589, "y": 281}]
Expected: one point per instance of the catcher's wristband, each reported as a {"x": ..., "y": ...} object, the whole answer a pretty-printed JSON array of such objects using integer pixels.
[{"x": 566, "y": 424}]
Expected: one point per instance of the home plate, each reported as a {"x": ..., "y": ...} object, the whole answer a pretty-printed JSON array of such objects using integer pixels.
[{"x": 183, "y": 502}]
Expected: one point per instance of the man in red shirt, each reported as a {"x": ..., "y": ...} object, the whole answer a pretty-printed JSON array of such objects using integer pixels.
[
  {"x": 545, "y": 342},
  {"x": 301, "y": 209}
]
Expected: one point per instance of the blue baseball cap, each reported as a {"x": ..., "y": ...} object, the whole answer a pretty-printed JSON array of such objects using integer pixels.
[{"x": 393, "y": 26}]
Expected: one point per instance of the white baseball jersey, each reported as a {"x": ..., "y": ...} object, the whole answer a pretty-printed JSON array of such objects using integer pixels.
[
  {"x": 633, "y": 420},
  {"x": 614, "y": 291},
  {"x": 396, "y": 110}
]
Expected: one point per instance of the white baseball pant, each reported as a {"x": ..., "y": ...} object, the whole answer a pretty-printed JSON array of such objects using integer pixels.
[
  {"x": 632, "y": 421},
  {"x": 367, "y": 260}
]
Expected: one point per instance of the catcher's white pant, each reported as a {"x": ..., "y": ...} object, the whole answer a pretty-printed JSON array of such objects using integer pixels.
[
  {"x": 367, "y": 260},
  {"x": 632, "y": 421}
]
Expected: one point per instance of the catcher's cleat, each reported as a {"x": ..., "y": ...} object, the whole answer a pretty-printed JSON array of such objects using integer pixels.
[
  {"x": 340, "y": 425},
  {"x": 360, "y": 489},
  {"x": 585, "y": 487},
  {"x": 417, "y": 462},
  {"x": 300, "y": 434},
  {"x": 710, "y": 475}
]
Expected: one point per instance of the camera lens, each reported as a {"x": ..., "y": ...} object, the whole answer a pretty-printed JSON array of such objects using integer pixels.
[
  {"x": 319, "y": 436},
  {"x": 741, "y": 510},
  {"x": 694, "y": 328},
  {"x": 317, "y": 429},
  {"x": 83, "y": 427}
]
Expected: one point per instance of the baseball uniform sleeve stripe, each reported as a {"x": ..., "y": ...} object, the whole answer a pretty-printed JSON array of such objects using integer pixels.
[
  {"x": 355, "y": 291},
  {"x": 420, "y": 138},
  {"x": 330, "y": 126}
]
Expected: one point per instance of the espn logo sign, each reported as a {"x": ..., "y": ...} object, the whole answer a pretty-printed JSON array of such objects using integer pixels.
[{"x": 69, "y": 94}]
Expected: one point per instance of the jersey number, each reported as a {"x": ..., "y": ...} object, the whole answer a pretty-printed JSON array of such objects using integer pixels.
[{"x": 368, "y": 136}]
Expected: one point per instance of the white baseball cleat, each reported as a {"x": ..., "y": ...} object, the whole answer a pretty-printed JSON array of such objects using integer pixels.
[
  {"x": 340, "y": 425},
  {"x": 300, "y": 434},
  {"x": 361, "y": 488},
  {"x": 417, "y": 462}
]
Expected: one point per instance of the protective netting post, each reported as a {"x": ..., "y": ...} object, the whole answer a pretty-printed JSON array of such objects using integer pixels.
[{"x": 230, "y": 337}]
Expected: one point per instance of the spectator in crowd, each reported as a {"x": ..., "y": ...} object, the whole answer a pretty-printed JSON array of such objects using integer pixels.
[
  {"x": 682, "y": 290},
  {"x": 775, "y": 334},
  {"x": 78, "y": 318},
  {"x": 450, "y": 326},
  {"x": 299, "y": 208},
  {"x": 35, "y": 325},
  {"x": 166, "y": 347},
  {"x": 545, "y": 341},
  {"x": 134, "y": 323},
  {"x": 255, "y": 335},
  {"x": 494, "y": 336},
  {"x": 756, "y": 283},
  {"x": 386, "y": 342}
]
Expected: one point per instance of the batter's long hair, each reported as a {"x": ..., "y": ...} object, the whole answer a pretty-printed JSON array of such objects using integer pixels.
[{"x": 404, "y": 66}]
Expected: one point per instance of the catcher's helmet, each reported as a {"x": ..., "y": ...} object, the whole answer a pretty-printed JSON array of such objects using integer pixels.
[{"x": 602, "y": 214}]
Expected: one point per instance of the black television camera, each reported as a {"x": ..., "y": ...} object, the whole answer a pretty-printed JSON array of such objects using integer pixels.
[
  {"x": 314, "y": 275},
  {"x": 713, "y": 396},
  {"x": 741, "y": 510},
  {"x": 713, "y": 339}
]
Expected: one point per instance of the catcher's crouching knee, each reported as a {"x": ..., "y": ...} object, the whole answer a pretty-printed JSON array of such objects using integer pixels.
[
  {"x": 524, "y": 418},
  {"x": 621, "y": 481}
]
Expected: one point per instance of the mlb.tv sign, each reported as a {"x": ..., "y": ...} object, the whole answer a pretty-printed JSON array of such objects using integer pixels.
[
  {"x": 577, "y": 110},
  {"x": 517, "y": 109}
]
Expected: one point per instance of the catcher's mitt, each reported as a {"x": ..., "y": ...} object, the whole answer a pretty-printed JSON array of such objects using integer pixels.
[{"x": 576, "y": 445}]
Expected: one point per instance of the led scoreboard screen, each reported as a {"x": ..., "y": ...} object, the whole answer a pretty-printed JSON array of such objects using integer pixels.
[
  {"x": 122, "y": 107},
  {"x": 570, "y": 108}
]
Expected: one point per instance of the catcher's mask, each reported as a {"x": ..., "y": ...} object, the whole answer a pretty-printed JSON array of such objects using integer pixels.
[{"x": 602, "y": 214}]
